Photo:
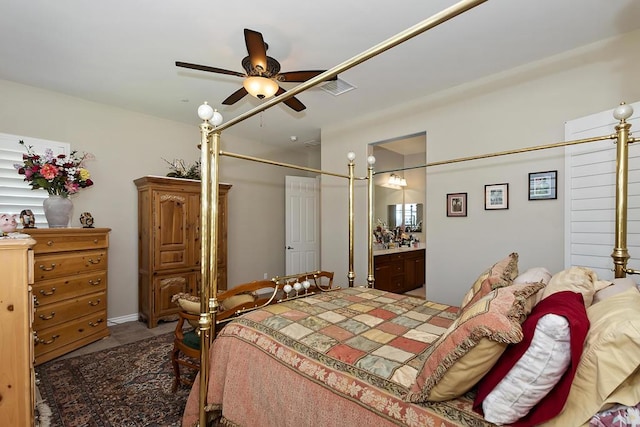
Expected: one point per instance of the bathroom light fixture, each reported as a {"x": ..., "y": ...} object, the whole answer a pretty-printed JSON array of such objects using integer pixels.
[{"x": 396, "y": 181}]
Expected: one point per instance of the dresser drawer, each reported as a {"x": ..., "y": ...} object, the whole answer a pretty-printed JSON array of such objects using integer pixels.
[
  {"x": 56, "y": 242},
  {"x": 53, "y": 314},
  {"x": 51, "y": 340},
  {"x": 55, "y": 290},
  {"x": 51, "y": 266}
]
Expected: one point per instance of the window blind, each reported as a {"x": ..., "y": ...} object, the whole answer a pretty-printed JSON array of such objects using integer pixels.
[
  {"x": 590, "y": 203},
  {"x": 15, "y": 193}
]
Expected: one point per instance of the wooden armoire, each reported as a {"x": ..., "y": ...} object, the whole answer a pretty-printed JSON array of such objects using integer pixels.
[{"x": 169, "y": 243}]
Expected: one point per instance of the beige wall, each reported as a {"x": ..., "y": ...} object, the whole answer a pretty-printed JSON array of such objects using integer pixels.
[
  {"x": 128, "y": 145},
  {"x": 518, "y": 108}
]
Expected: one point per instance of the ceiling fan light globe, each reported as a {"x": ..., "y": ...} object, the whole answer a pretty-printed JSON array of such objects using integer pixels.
[{"x": 260, "y": 87}]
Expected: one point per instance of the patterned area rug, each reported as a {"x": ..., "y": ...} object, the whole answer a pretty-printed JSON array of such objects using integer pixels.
[{"x": 129, "y": 385}]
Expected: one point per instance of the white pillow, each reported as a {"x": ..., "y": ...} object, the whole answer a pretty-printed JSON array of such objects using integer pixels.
[
  {"x": 534, "y": 275},
  {"x": 534, "y": 374}
]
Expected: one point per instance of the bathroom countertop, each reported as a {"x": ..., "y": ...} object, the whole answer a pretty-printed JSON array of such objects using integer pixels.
[{"x": 398, "y": 249}]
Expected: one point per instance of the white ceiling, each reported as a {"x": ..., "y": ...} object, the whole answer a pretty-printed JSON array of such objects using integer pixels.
[{"x": 123, "y": 52}]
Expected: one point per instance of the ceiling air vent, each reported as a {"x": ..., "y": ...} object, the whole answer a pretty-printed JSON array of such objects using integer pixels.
[{"x": 337, "y": 87}]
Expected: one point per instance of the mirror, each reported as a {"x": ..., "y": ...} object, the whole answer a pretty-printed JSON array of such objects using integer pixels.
[
  {"x": 395, "y": 204},
  {"x": 408, "y": 215}
]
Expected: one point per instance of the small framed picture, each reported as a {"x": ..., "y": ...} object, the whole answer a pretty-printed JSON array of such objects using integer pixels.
[
  {"x": 457, "y": 204},
  {"x": 496, "y": 196},
  {"x": 542, "y": 185}
]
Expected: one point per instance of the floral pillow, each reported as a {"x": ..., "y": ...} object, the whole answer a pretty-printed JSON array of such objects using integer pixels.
[
  {"x": 498, "y": 275},
  {"x": 473, "y": 343}
]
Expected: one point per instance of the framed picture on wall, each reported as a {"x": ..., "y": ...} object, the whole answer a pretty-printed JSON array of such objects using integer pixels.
[
  {"x": 542, "y": 185},
  {"x": 496, "y": 196},
  {"x": 457, "y": 204}
]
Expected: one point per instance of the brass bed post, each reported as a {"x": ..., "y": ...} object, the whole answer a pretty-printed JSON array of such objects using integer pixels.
[
  {"x": 370, "y": 277},
  {"x": 209, "y": 148},
  {"x": 351, "y": 275},
  {"x": 620, "y": 252}
]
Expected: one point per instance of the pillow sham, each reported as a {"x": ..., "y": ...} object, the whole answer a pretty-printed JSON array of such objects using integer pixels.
[
  {"x": 609, "y": 370},
  {"x": 473, "y": 343},
  {"x": 498, "y": 275},
  {"x": 533, "y": 275},
  {"x": 576, "y": 279},
  {"x": 531, "y": 381},
  {"x": 616, "y": 286}
]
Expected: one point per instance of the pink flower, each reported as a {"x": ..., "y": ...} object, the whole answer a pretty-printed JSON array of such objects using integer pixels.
[
  {"x": 49, "y": 171},
  {"x": 71, "y": 187}
]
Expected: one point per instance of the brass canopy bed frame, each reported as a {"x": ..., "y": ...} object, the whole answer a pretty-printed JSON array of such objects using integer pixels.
[{"x": 210, "y": 160}]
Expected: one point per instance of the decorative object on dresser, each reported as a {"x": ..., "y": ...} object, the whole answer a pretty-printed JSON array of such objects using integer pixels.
[
  {"x": 86, "y": 219},
  {"x": 17, "y": 379},
  {"x": 8, "y": 223},
  {"x": 60, "y": 175},
  {"x": 399, "y": 271},
  {"x": 58, "y": 210},
  {"x": 169, "y": 243},
  {"x": 70, "y": 289},
  {"x": 27, "y": 218}
]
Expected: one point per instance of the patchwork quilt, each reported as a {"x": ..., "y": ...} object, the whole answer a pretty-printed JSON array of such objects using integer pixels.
[{"x": 364, "y": 345}]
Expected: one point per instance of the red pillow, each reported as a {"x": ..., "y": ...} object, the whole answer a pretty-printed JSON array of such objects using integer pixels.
[{"x": 567, "y": 304}]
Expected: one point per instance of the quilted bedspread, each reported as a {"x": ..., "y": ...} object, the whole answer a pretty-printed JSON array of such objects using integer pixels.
[{"x": 335, "y": 358}]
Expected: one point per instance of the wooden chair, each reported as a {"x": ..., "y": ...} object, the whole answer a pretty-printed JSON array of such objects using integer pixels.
[
  {"x": 323, "y": 279},
  {"x": 187, "y": 342}
]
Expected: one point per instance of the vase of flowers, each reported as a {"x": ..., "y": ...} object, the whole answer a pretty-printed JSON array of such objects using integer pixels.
[{"x": 61, "y": 176}]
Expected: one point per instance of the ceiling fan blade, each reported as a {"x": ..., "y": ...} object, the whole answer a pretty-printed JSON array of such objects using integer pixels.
[
  {"x": 293, "y": 103},
  {"x": 301, "y": 76},
  {"x": 209, "y": 69},
  {"x": 256, "y": 48},
  {"x": 235, "y": 96}
]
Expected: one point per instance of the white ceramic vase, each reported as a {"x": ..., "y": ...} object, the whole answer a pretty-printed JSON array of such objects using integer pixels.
[{"x": 58, "y": 211}]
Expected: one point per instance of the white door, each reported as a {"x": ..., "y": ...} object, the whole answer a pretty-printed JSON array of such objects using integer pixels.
[{"x": 302, "y": 237}]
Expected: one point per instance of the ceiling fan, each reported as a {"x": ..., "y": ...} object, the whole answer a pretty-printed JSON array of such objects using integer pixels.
[{"x": 262, "y": 73}]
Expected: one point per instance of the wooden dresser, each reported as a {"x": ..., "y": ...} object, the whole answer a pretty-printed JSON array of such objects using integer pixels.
[
  {"x": 169, "y": 243},
  {"x": 17, "y": 386},
  {"x": 70, "y": 289}
]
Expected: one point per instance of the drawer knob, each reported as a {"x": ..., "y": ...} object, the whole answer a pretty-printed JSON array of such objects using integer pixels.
[
  {"x": 50, "y": 243},
  {"x": 51, "y": 341},
  {"x": 49, "y": 317},
  {"x": 96, "y": 323},
  {"x": 94, "y": 303},
  {"x": 95, "y": 282},
  {"x": 95, "y": 240},
  {"x": 43, "y": 268},
  {"x": 96, "y": 261},
  {"x": 48, "y": 293}
]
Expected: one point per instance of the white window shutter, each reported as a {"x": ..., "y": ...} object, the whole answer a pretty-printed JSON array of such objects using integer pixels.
[{"x": 15, "y": 193}]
